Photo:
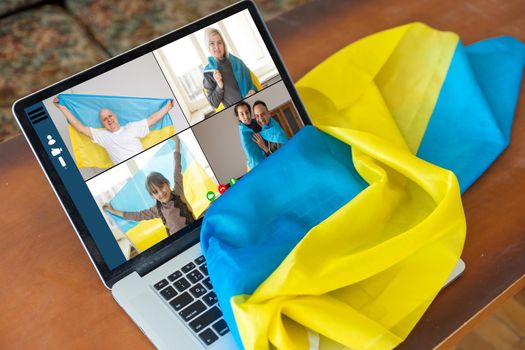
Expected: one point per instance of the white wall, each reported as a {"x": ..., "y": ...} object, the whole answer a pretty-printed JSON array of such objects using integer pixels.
[
  {"x": 141, "y": 77},
  {"x": 218, "y": 137},
  {"x": 273, "y": 96}
]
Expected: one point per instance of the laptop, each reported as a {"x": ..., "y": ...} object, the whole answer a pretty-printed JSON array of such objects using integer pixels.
[{"x": 137, "y": 147}]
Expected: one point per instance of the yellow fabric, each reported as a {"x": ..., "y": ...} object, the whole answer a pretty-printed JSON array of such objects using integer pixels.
[
  {"x": 365, "y": 275},
  {"x": 196, "y": 184},
  {"x": 147, "y": 233},
  {"x": 88, "y": 154},
  {"x": 219, "y": 108},
  {"x": 256, "y": 81}
]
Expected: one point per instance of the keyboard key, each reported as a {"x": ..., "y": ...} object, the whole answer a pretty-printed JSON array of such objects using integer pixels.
[
  {"x": 205, "y": 319},
  {"x": 198, "y": 290},
  {"x": 221, "y": 327},
  {"x": 210, "y": 298},
  {"x": 174, "y": 276},
  {"x": 182, "y": 284},
  {"x": 187, "y": 268},
  {"x": 161, "y": 284},
  {"x": 207, "y": 283},
  {"x": 208, "y": 337},
  {"x": 195, "y": 276},
  {"x": 204, "y": 269},
  {"x": 181, "y": 301},
  {"x": 200, "y": 260},
  {"x": 192, "y": 310},
  {"x": 168, "y": 293}
]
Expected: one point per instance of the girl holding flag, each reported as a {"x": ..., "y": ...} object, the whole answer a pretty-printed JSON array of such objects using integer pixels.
[{"x": 170, "y": 204}]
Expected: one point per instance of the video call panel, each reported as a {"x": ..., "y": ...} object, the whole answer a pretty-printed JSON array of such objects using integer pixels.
[{"x": 159, "y": 138}]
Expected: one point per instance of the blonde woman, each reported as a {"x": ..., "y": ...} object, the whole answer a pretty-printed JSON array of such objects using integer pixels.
[{"x": 227, "y": 80}]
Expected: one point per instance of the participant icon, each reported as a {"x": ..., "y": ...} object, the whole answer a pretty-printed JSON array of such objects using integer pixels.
[{"x": 50, "y": 140}]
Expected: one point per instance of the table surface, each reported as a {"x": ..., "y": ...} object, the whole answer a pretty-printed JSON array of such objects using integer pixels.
[{"x": 53, "y": 298}]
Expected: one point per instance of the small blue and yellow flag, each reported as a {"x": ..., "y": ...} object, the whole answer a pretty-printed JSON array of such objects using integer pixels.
[{"x": 349, "y": 231}]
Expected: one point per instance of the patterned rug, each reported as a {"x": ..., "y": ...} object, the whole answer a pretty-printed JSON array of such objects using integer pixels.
[{"x": 46, "y": 41}]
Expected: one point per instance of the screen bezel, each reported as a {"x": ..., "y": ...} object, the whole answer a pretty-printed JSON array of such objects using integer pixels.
[{"x": 187, "y": 237}]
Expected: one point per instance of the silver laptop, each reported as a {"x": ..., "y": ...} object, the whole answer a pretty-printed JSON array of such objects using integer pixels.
[
  {"x": 165, "y": 115},
  {"x": 137, "y": 147}
]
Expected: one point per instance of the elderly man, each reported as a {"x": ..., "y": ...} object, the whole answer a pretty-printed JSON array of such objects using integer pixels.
[{"x": 121, "y": 142}]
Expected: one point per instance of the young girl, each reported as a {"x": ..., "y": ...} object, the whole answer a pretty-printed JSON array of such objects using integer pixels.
[{"x": 171, "y": 206}]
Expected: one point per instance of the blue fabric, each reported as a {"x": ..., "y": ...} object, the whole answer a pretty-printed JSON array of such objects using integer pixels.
[
  {"x": 273, "y": 132},
  {"x": 127, "y": 109},
  {"x": 134, "y": 196},
  {"x": 252, "y": 227},
  {"x": 254, "y": 154},
  {"x": 471, "y": 122},
  {"x": 314, "y": 187},
  {"x": 240, "y": 72}
]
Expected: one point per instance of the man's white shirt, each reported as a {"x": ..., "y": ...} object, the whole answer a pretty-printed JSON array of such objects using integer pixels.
[{"x": 124, "y": 143}]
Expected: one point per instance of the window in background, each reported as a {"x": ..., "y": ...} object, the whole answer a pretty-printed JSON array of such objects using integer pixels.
[
  {"x": 187, "y": 65},
  {"x": 249, "y": 45}
]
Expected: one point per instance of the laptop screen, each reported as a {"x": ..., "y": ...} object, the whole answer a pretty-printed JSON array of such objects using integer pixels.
[{"x": 145, "y": 148}]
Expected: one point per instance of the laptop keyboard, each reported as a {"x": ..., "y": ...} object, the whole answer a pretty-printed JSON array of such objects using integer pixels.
[{"x": 190, "y": 293}]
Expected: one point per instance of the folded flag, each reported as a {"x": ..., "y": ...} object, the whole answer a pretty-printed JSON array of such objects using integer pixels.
[
  {"x": 134, "y": 197},
  {"x": 128, "y": 109},
  {"x": 357, "y": 238}
]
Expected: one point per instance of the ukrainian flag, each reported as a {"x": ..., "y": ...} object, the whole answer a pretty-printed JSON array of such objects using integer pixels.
[
  {"x": 133, "y": 196},
  {"x": 347, "y": 233},
  {"x": 245, "y": 78},
  {"x": 128, "y": 109}
]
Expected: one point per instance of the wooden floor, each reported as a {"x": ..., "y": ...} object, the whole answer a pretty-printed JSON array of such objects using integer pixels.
[{"x": 503, "y": 330}]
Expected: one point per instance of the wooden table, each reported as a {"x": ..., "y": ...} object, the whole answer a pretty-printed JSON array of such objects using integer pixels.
[{"x": 52, "y": 297}]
